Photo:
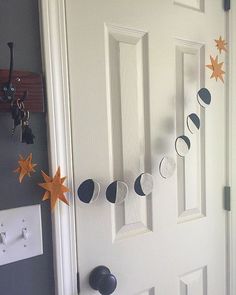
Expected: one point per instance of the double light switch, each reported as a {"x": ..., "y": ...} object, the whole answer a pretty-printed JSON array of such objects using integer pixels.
[{"x": 20, "y": 233}]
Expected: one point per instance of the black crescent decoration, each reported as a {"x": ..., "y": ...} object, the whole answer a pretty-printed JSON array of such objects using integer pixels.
[
  {"x": 193, "y": 122},
  {"x": 138, "y": 187},
  {"x": 204, "y": 97},
  {"x": 88, "y": 191},
  {"x": 111, "y": 192},
  {"x": 143, "y": 185}
]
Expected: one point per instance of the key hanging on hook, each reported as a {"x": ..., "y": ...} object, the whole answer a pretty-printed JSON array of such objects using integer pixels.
[
  {"x": 17, "y": 113},
  {"x": 27, "y": 135}
]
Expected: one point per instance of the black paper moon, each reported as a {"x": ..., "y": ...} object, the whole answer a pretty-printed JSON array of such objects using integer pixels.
[
  {"x": 143, "y": 185},
  {"x": 204, "y": 97},
  {"x": 193, "y": 123},
  {"x": 182, "y": 145},
  {"x": 167, "y": 167},
  {"x": 88, "y": 191},
  {"x": 116, "y": 192}
]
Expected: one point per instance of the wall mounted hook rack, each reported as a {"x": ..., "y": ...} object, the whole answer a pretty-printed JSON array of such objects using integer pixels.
[
  {"x": 21, "y": 93},
  {"x": 23, "y": 85}
]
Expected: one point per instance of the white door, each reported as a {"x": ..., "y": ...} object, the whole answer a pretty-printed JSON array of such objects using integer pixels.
[{"x": 135, "y": 70}]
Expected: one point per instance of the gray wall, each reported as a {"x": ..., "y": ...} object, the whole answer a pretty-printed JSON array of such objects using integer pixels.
[{"x": 34, "y": 276}]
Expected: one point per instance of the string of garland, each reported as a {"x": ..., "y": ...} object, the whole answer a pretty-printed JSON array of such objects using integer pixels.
[{"x": 117, "y": 191}]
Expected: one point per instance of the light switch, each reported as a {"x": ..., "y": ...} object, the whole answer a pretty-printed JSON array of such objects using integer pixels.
[
  {"x": 3, "y": 238},
  {"x": 25, "y": 233},
  {"x": 20, "y": 233}
]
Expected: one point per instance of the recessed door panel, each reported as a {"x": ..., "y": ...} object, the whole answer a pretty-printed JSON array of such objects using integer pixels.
[
  {"x": 128, "y": 103},
  {"x": 194, "y": 283},
  {"x": 190, "y": 73},
  {"x": 148, "y": 292},
  {"x": 194, "y": 4}
]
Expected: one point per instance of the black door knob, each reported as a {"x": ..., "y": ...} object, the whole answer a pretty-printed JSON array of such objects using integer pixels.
[{"x": 102, "y": 280}]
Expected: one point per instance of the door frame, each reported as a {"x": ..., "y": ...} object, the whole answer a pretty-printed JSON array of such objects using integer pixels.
[
  {"x": 231, "y": 137},
  {"x": 55, "y": 67}
]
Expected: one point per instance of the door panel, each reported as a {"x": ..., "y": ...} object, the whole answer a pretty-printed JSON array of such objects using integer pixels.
[
  {"x": 190, "y": 65},
  {"x": 192, "y": 4},
  {"x": 129, "y": 120},
  {"x": 194, "y": 283},
  {"x": 135, "y": 70}
]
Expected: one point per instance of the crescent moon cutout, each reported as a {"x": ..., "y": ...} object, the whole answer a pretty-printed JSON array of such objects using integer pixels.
[
  {"x": 182, "y": 145},
  {"x": 143, "y": 185},
  {"x": 204, "y": 97},
  {"x": 193, "y": 123},
  {"x": 88, "y": 191}
]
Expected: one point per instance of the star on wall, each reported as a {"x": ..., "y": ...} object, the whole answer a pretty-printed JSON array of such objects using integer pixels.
[
  {"x": 221, "y": 45},
  {"x": 216, "y": 68},
  {"x": 54, "y": 188},
  {"x": 26, "y": 167}
]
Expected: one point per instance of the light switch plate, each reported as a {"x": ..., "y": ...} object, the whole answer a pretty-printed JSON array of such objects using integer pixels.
[{"x": 12, "y": 223}]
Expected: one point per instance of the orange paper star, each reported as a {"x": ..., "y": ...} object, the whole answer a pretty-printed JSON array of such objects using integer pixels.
[
  {"x": 54, "y": 188},
  {"x": 221, "y": 44},
  {"x": 25, "y": 167},
  {"x": 217, "y": 72}
]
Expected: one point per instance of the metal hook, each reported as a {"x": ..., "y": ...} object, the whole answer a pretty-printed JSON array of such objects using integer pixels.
[
  {"x": 8, "y": 88},
  {"x": 11, "y": 47}
]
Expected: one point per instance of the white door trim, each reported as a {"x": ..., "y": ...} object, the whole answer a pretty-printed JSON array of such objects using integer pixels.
[
  {"x": 54, "y": 48},
  {"x": 232, "y": 144}
]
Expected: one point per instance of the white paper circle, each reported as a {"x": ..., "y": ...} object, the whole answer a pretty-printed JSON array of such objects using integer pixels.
[
  {"x": 167, "y": 167},
  {"x": 182, "y": 145}
]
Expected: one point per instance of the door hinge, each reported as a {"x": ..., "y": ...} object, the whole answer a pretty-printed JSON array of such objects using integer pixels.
[
  {"x": 78, "y": 283},
  {"x": 227, "y": 5},
  {"x": 227, "y": 198}
]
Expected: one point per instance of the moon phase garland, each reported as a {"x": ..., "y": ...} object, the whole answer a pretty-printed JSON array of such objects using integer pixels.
[{"x": 117, "y": 191}]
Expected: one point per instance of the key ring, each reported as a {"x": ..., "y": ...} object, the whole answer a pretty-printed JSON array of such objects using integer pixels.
[{"x": 20, "y": 104}]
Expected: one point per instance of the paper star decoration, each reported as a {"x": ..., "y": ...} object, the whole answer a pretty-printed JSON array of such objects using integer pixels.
[
  {"x": 217, "y": 72},
  {"x": 54, "y": 188},
  {"x": 26, "y": 167},
  {"x": 221, "y": 44}
]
